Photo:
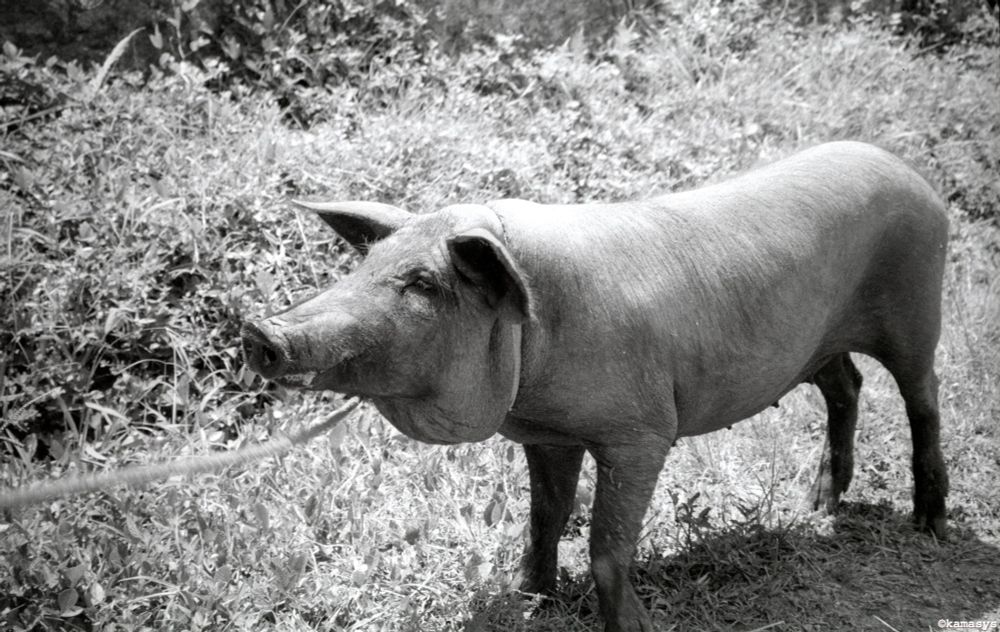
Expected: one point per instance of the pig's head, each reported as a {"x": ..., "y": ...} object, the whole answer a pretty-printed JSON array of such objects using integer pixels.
[{"x": 427, "y": 327}]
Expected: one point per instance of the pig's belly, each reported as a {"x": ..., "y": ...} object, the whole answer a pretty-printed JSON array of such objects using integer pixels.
[{"x": 725, "y": 400}]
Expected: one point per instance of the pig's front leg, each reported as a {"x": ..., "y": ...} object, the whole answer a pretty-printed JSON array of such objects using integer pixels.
[
  {"x": 626, "y": 477},
  {"x": 554, "y": 471}
]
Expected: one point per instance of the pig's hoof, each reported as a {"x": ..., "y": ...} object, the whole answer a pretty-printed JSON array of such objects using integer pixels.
[
  {"x": 822, "y": 496},
  {"x": 929, "y": 513},
  {"x": 637, "y": 621},
  {"x": 528, "y": 584},
  {"x": 936, "y": 524}
]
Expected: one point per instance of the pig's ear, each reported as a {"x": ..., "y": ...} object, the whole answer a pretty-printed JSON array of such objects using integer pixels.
[
  {"x": 359, "y": 223},
  {"x": 482, "y": 260}
]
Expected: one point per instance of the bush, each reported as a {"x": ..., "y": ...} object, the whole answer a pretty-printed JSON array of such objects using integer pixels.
[{"x": 121, "y": 299}]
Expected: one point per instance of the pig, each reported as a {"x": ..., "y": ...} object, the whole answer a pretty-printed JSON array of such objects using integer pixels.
[{"x": 616, "y": 329}]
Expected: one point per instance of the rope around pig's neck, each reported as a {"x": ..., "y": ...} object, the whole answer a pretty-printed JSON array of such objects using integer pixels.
[
  {"x": 142, "y": 474},
  {"x": 515, "y": 385},
  {"x": 515, "y": 330}
]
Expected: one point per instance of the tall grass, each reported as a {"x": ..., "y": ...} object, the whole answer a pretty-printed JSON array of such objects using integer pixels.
[{"x": 141, "y": 226}]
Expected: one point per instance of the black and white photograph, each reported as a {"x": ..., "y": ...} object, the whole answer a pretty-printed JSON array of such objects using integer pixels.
[{"x": 499, "y": 315}]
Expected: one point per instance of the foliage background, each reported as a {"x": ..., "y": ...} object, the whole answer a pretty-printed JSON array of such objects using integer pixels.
[{"x": 143, "y": 218}]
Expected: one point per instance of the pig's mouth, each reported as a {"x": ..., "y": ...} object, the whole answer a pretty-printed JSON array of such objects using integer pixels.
[
  {"x": 335, "y": 378},
  {"x": 300, "y": 381}
]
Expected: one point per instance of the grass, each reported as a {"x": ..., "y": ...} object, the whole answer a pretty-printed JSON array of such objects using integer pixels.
[{"x": 142, "y": 225}]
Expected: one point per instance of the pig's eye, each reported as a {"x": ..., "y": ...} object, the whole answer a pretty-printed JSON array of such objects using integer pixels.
[{"x": 418, "y": 284}]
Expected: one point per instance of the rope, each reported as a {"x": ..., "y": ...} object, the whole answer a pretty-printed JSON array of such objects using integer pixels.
[
  {"x": 142, "y": 474},
  {"x": 515, "y": 328}
]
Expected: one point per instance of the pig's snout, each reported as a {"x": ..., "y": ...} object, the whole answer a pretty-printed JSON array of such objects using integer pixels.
[{"x": 262, "y": 350}]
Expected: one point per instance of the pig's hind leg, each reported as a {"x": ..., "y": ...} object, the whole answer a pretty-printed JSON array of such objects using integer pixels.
[{"x": 840, "y": 382}]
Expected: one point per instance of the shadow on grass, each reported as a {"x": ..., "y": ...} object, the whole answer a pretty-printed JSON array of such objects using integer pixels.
[{"x": 871, "y": 571}]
